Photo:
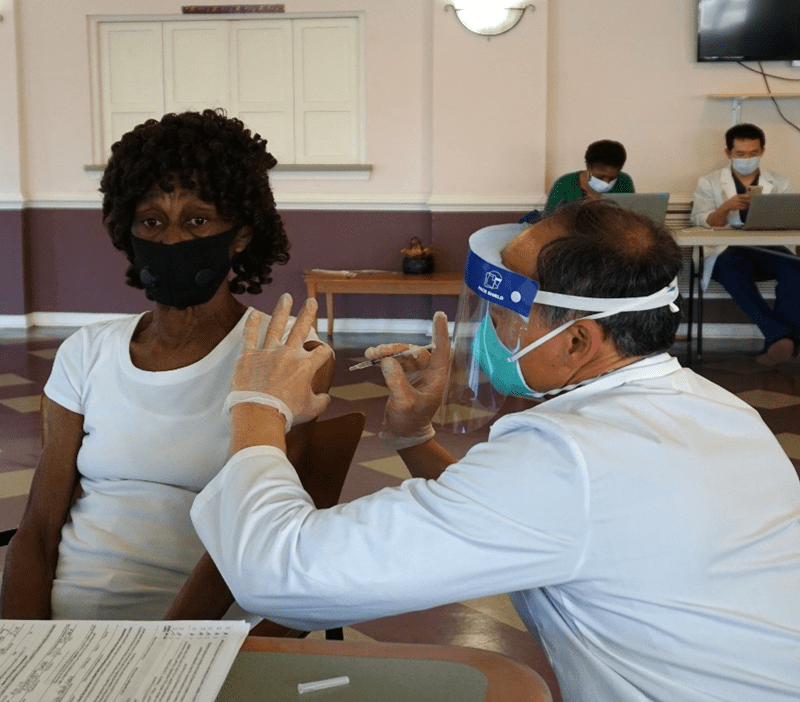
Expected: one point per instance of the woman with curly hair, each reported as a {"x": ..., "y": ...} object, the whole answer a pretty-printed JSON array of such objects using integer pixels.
[
  {"x": 134, "y": 425},
  {"x": 604, "y": 161}
]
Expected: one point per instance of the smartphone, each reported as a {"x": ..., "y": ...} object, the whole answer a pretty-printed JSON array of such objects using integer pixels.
[{"x": 754, "y": 189}]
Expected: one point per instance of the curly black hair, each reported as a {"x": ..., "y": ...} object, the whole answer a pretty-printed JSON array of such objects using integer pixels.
[
  {"x": 220, "y": 160},
  {"x": 611, "y": 153}
]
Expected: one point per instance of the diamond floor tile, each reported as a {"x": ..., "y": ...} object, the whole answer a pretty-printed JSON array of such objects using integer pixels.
[
  {"x": 767, "y": 399},
  {"x": 30, "y": 403},
  {"x": 16, "y": 482},
  {"x": 48, "y": 354},
  {"x": 791, "y": 444},
  {"x": 10, "y": 379},
  {"x": 391, "y": 465}
]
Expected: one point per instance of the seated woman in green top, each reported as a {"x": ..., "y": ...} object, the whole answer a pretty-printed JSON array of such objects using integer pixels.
[{"x": 603, "y": 174}]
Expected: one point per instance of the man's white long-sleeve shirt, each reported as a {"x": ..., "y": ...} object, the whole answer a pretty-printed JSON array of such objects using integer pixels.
[
  {"x": 647, "y": 524},
  {"x": 718, "y": 187}
]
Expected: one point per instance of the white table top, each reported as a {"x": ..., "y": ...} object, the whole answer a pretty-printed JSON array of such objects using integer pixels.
[{"x": 702, "y": 236}]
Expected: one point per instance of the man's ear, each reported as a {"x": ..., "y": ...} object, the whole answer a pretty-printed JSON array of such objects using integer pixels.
[{"x": 583, "y": 342}]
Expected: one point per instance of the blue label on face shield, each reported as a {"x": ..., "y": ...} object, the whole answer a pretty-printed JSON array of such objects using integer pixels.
[{"x": 500, "y": 285}]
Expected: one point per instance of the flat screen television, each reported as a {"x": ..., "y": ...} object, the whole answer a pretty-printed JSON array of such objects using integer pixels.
[{"x": 748, "y": 30}]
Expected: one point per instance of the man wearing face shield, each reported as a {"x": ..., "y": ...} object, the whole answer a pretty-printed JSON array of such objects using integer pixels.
[
  {"x": 723, "y": 198},
  {"x": 644, "y": 520}
]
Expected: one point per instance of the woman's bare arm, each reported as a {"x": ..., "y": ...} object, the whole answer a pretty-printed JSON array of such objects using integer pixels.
[
  {"x": 428, "y": 460},
  {"x": 33, "y": 552}
]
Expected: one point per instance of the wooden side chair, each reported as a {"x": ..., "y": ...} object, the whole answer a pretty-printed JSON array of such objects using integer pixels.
[
  {"x": 322, "y": 464},
  {"x": 5, "y": 536}
]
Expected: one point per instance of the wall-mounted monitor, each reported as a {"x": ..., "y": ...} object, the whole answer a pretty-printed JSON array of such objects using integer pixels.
[{"x": 748, "y": 30}]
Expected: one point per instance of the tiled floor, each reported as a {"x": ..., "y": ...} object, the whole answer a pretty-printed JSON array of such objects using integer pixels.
[{"x": 491, "y": 623}]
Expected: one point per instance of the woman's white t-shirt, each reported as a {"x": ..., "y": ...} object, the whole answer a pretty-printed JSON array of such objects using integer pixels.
[{"x": 153, "y": 441}]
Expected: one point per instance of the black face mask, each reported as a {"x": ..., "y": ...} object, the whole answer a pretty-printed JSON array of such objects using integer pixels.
[{"x": 184, "y": 274}]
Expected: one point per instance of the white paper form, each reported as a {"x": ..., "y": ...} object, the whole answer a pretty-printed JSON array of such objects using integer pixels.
[{"x": 116, "y": 661}]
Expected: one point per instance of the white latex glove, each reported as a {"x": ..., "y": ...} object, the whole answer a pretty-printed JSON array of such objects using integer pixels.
[
  {"x": 416, "y": 385},
  {"x": 278, "y": 374}
]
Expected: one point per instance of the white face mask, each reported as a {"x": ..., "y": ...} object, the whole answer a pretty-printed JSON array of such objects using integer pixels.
[
  {"x": 746, "y": 166},
  {"x": 600, "y": 186}
]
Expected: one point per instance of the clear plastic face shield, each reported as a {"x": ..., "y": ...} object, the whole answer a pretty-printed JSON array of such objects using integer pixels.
[{"x": 492, "y": 319}]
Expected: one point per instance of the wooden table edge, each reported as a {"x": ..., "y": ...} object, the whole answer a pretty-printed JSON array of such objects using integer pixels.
[
  {"x": 372, "y": 282},
  {"x": 508, "y": 680}
]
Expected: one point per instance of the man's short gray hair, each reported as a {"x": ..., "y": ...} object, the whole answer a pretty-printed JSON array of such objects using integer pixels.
[{"x": 610, "y": 252}]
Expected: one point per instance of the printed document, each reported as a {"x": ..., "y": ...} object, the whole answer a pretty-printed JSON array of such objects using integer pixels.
[{"x": 116, "y": 661}]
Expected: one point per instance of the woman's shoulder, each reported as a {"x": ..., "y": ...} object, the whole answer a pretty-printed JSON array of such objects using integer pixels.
[
  {"x": 262, "y": 316},
  {"x": 90, "y": 347},
  {"x": 96, "y": 334},
  {"x": 626, "y": 180},
  {"x": 264, "y": 320},
  {"x": 566, "y": 189},
  {"x": 568, "y": 179},
  {"x": 566, "y": 184}
]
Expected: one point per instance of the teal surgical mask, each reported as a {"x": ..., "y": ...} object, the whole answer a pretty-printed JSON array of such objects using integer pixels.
[
  {"x": 492, "y": 331},
  {"x": 495, "y": 360},
  {"x": 501, "y": 364}
]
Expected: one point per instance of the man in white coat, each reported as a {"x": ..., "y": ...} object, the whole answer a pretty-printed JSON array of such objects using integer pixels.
[
  {"x": 645, "y": 520},
  {"x": 723, "y": 198}
]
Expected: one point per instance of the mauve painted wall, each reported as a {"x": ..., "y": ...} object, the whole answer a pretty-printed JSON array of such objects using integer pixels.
[
  {"x": 73, "y": 267},
  {"x": 12, "y": 262},
  {"x": 63, "y": 261}
]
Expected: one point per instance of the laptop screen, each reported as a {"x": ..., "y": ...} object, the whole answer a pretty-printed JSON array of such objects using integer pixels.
[
  {"x": 652, "y": 205},
  {"x": 774, "y": 211}
]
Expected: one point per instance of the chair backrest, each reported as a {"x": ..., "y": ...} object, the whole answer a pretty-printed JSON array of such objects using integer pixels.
[
  {"x": 333, "y": 445},
  {"x": 322, "y": 468},
  {"x": 5, "y": 536}
]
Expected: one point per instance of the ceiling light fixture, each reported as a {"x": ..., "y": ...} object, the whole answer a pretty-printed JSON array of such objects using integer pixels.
[{"x": 489, "y": 17}]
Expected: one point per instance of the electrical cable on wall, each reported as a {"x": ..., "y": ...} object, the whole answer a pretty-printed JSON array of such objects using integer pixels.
[
  {"x": 765, "y": 75},
  {"x": 761, "y": 72}
]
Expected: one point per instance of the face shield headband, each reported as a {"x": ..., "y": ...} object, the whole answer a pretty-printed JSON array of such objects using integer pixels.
[
  {"x": 604, "y": 306},
  {"x": 488, "y": 277},
  {"x": 488, "y": 282}
]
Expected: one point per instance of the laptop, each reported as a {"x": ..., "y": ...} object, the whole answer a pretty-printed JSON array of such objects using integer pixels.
[
  {"x": 774, "y": 211},
  {"x": 652, "y": 205}
]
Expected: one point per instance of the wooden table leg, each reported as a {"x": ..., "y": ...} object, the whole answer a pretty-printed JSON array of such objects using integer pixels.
[
  {"x": 700, "y": 274},
  {"x": 312, "y": 292},
  {"x": 690, "y": 311},
  {"x": 329, "y": 303}
]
